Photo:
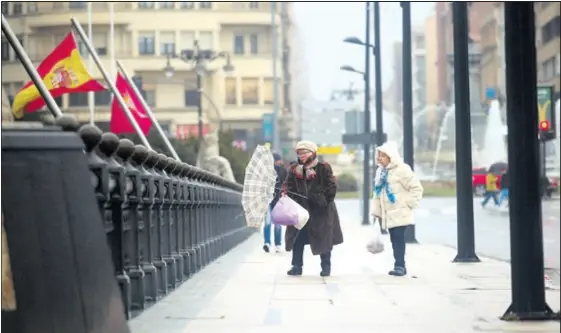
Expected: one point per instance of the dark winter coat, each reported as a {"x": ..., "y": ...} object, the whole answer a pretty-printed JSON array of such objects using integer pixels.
[{"x": 323, "y": 228}]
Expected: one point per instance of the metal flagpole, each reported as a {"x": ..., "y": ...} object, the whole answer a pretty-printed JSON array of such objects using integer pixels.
[
  {"x": 91, "y": 99},
  {"x": 112, "y": 39},
  {"x": 30, "y": 68},
  {"x": 148, "y": 110},
  {"x": 110, "y": 82}
]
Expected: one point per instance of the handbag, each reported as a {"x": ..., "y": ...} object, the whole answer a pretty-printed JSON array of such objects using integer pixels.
[{"x": 288, "y": 212}]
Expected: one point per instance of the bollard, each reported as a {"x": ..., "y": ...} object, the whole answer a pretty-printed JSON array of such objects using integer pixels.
[
  {"x": 174, "y": 226},
  {"x": 155, "y": 228},
  {"x": 132, "y": 225},
  {"x": 113, "y": 215},
  {"x": 165, "y": 236}
]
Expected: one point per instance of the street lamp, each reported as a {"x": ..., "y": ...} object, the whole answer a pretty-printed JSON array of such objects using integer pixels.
[
  {"x": 348, "y": 68},
  {"x": 200, "y": 58}
]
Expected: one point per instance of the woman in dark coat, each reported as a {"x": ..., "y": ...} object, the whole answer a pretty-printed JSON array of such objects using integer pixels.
[{"x": 314, "y": 183}]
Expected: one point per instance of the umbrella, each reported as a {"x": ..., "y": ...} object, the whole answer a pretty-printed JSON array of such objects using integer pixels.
[
  {"x": 258, "y": 186},
  {"x": 498, "y": 167}
]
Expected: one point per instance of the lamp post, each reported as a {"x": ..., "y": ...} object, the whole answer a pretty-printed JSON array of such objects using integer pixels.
[
  {"x": 366, "y": 141},
  {"x": 200, "y": 58}
]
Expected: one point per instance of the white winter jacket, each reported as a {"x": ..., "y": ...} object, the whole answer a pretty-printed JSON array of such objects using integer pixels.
[{"x": 405, "y": 186}]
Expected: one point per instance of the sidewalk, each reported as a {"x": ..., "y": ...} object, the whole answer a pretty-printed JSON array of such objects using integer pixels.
[{"x": 247, "y": 291}]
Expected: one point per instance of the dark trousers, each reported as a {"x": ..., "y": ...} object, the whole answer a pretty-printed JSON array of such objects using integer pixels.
[
  {"x": 298, "y": 251},
  {"x": 397, "y": 237}
]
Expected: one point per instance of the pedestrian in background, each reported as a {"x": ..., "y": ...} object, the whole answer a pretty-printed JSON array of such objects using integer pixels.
[
  {"x": 504, "y": 187},
  {"x": 397, "y": 192},
  {"x": 491, "y": 190},
  {"x": 277, "y": 229}
]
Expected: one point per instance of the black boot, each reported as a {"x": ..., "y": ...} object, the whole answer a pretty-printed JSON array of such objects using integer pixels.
[
  {"x": 295, "y": 271},
  {"x": 325, "y": 271},
  {"x": 398, "y": 271}
]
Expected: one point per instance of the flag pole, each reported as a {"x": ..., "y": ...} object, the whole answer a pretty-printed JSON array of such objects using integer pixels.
[
  {"x": 30, "y": 69},
  {"x": 112, "y": 38},
  {"x": 110, "y": 82},
  {"x": 148, "y": 110},
  {"x": 91, "y": 99}
]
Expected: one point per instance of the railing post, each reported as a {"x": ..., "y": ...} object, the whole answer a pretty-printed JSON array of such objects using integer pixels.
[
  {"x": 197, "y": 218},
  {"x": 164, "y": 215},
  {"x": 131, "y": 225},
  {"x": 146, "y": 200},
  {"x": 173, "y": 169},
  {"x": 156, "y": 229},
  {"x": 192, "y": 216},
  {"x": 91, "y": 135},
  {"x": 205, "y": 220},
  {"x": 113, "y": 215},
  {"x": 183, "y": 219}
]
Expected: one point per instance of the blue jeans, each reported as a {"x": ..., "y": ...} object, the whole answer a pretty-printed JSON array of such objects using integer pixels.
[
  {"x": 503, "y": 195},
  {"x": 490, "y": 195},
  {"x": 267, "y": 231}
]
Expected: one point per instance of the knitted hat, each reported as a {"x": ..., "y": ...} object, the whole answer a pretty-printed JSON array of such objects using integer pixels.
[{"x": 307, "y": 145}]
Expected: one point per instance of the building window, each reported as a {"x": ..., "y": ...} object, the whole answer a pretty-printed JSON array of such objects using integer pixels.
[
  {"x": 550, "y": 30},
  {"x": 17, "y": 8},
  {"x": 100, "y": 43},
  {"x": 166, "y": 4},
  {"x": 205, "y": 5},
  {"x": 146, "y": 43},
  {"x": 146, "y": 4},
  {"x": 31, "y": 7},
  {"x": 78, "y": 99},
  {"x": 77, "y": 5},
  {"x": 82, "y": 48},
  {"x": 192, "y": 97},
  {"x": 238, "y": 44},
  {"x": 268, "y": 91},
  {"x": 254, "y": 43},
  {"x": 231, "y": 91},
  {"x": 167, "y": 43},
  {"x": 150, "y": 97},
  {"x": 548, "y": 69},
  {"x": 6, "y": 50},
  {"x": 186, "y": 5},
  {"x": 5, "y": 8},
  {"x": 254, "y": 4},
  {"x": 250, "y": 91},
  {"x": 187, "y": 40},
  {"x": 102, "y": 97},
  {"x": 206, "y": 40}
]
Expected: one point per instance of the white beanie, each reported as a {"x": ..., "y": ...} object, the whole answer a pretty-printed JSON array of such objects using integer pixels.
[{"x": 307, "y": 145}]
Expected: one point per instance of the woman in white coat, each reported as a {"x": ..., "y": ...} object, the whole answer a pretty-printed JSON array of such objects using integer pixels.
[{"x": 397, "y": 192}]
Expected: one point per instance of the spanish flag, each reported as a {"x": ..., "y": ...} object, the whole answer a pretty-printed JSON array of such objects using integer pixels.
[
  {"x": 62, "y": 72},
  {"x": 120, "y": 124}
]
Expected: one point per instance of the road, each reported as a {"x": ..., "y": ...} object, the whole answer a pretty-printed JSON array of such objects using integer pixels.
[{"x": 436, "y": 223}]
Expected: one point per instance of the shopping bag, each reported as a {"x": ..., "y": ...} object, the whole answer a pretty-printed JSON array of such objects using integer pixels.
[
  {"x": 376, "y": 244},
  {"x": 288, "y": 212}
]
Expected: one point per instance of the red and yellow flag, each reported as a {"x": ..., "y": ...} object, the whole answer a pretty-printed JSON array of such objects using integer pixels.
[
  {"x": 62, "y": 72},
  {"x": 120, "y": 124}
]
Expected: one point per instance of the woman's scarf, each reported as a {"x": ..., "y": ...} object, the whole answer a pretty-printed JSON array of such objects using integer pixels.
[
  {"x": 383, "y": 184},
  {"x": 308, "y": 167}
]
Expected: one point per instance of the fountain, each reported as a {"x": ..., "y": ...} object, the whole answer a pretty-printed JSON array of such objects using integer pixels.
[{"x": 494, "y": 148}]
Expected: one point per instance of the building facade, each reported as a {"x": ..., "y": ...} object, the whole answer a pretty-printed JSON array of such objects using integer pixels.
[
  {"x": 418, "y": 68},
  {"x": 548, "y": 26},
  {"x": 145, "y": 32},
  {"x": 431, "y": 72}
]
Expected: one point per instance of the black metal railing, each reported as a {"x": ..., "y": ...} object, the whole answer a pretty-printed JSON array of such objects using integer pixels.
[{"x": 164, "y": 220}]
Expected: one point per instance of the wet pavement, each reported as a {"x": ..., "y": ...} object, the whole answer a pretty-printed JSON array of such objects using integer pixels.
[{"x": 436, "y": 224}]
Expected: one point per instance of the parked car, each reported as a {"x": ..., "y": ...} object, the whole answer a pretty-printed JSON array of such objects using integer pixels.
[{"x": 478, "y": 181}]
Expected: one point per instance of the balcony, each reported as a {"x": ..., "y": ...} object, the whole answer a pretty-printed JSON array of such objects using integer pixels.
[{"x": 52, "y": 14}]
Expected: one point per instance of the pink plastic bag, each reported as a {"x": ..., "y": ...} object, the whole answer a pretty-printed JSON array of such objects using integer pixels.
[{"x": 285, "y": 212}]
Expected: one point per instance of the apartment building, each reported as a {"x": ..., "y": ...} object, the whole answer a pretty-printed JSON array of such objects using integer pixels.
[
  {"x": 418, "y": 68},
  {"x": 548, "y": 26},
  {"x": 145, "y": 32}
]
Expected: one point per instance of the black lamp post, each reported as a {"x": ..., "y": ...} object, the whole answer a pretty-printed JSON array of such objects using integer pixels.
[{"x": 200, "y": 58}]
